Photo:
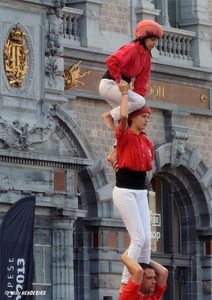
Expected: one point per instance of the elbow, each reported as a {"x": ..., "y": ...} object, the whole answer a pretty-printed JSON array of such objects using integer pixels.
[
  {"x": 165, "y": 273},
  {"x": 137, "y": 275},
  {"x": 140, "y": 271}
]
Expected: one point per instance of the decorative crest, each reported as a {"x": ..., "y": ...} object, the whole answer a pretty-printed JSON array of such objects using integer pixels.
[
  {"x": 15, "y": 57},
  {"x": 71, "y": 76}
]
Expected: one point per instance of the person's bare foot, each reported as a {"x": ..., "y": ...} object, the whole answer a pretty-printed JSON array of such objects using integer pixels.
[
  {"x": 121, "y": 288},
  {"x": 109, "y": 120}
]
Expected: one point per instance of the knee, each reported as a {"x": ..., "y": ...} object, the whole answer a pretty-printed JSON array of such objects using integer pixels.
[
  {"x": 139, "y": 239},
  {"x": 147, "y": 243},
  {"x": 141, "y": 101}
]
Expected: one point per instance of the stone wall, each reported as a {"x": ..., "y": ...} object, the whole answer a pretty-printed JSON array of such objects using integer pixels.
[
  {"x": 210, "y": 17},
  {"x": 200, "y": 130},
  {"x": 88, "y": 117},
  {"x": 115, "y": 16}
]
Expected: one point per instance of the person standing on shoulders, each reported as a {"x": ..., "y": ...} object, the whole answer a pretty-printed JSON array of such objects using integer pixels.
[{"x": 135, "y": 154}]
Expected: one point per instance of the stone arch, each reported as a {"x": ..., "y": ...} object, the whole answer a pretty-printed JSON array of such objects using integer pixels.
[
  {"x": 94, "y": 189},
  {"x": 193, "y": 180},
  {"x": 94, "y": 198},
  {"x": 67, "y": 130}
]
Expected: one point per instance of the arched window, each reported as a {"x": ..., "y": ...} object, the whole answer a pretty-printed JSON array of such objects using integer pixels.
[{"x": 166, "y": 234}]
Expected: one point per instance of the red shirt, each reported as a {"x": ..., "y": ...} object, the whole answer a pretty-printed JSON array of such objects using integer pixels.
[
  {"x": 134, "y": 151},
  {"x": 133, "y": 61},
  {"x": 131, "y": 292}
]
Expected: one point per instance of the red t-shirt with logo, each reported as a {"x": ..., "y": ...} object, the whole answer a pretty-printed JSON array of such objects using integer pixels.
[
  {"x": 131, "y": 290},
  {"x": 135, "y": 152}
]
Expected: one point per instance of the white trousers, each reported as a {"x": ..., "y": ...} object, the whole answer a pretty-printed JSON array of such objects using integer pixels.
[
  {"x": 109, "y": 90},
  {"x": 134, "y": 209}
]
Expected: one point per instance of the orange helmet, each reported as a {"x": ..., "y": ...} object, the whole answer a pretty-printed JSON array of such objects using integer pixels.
[{"x": 148, "y": 29}]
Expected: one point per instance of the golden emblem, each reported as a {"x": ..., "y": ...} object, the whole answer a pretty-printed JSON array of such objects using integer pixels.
[
  {"x": 203, "y": 98},
  {"x": 71, "y": 76},
  {"x": 15, "y": 57}
]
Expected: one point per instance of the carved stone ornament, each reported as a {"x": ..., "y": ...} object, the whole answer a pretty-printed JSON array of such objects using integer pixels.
[
  {"x": 54, "y": 41},
  {"x": 19, "y": 136},
  {"x": 51, "y": 69},
  {"x": 58, "y": 6},
  {"x": 15, "y": 57},
  {"x": 71, "y": 76}
]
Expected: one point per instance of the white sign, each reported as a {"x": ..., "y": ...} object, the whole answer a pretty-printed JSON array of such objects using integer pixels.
[{"x": 155, "y": 219}]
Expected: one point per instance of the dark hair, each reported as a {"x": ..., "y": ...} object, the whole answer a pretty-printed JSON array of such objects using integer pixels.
[
  {"x": 129, "y": 121},
  {"x": 141, "y": 41},
  {"x": 145, "y": 266}
]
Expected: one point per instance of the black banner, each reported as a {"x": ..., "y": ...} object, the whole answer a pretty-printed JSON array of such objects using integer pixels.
[{"x": 16, "y": 250}]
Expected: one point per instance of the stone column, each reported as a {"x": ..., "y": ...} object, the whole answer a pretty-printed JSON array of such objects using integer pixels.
[
  {"x": 88, "y": 25},
  {"x": 163, "y": 18},
  {"x": 194, "y": 17},
  {"x": 62, "y": 258},
  {"x": 145, "y": 10}
]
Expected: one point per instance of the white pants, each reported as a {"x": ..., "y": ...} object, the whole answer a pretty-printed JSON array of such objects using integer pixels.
[
  {"x": 134, "y": 209},
  {"x": 109, "y": 90}
]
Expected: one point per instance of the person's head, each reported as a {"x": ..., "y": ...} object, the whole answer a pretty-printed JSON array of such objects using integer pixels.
[
  {"x": 149, "y": 279},
  {"x": 139, "y": 119},
  {"x": 147, "y": 32}
]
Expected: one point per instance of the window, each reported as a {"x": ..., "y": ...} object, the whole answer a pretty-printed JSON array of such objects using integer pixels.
[
  {"x": 170, "y": 12},
  {"x": 165, "y": 219}
]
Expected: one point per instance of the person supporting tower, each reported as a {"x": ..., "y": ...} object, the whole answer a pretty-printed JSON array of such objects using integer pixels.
[
  {"x": 147, "y": 281},
  {"x": 135, "y": 154}
]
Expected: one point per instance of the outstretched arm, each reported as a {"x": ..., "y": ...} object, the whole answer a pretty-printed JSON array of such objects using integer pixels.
[
  {"x": 134, "y": 268},
  {"x": 161, "y": 273}
]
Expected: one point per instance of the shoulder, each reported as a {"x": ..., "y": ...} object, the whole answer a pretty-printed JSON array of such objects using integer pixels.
[
  {"x": 159, "y": 290},
  {"x": 144, "y": 136},
  {"x": 147, "y": 140},
  {"x": 128, "y": 47},
  {"x": 130, "y": 291},
  {"x": 119, "y": 132}
]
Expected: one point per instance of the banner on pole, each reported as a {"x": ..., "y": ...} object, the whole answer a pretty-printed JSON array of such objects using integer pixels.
[{"x": 16, "y": 250}]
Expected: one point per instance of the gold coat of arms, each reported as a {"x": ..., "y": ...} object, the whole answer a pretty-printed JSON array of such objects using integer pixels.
[{"x": 15, "y": 57}]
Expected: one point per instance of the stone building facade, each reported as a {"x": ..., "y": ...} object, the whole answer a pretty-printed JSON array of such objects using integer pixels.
[{"x": 54, "y": 144}]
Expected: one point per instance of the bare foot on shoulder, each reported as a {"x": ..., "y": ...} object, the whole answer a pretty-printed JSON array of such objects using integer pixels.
[
  {"x": 121, "y": 288},
  {"x": 109, "y": 120}
]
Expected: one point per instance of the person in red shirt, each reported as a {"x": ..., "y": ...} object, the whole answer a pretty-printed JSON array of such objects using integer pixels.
[
  {"x": 135, "y": 155},
  {"x": 131, "y": 61},
  {"x": 147, "y": 281}
]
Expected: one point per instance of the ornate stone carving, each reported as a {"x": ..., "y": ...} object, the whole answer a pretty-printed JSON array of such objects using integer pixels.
[
  {"x": 19, "y": 136},
  {"x": 71, "y": 76},
  {"x": 176, "y": 132},
  {"x": 58, "y": 6},
  {"x": 178, "y": 149},
  {"x": 54, "y": 43},
  {"x": 15, "y": 57},
  {"x": 51, "y": 69}
]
